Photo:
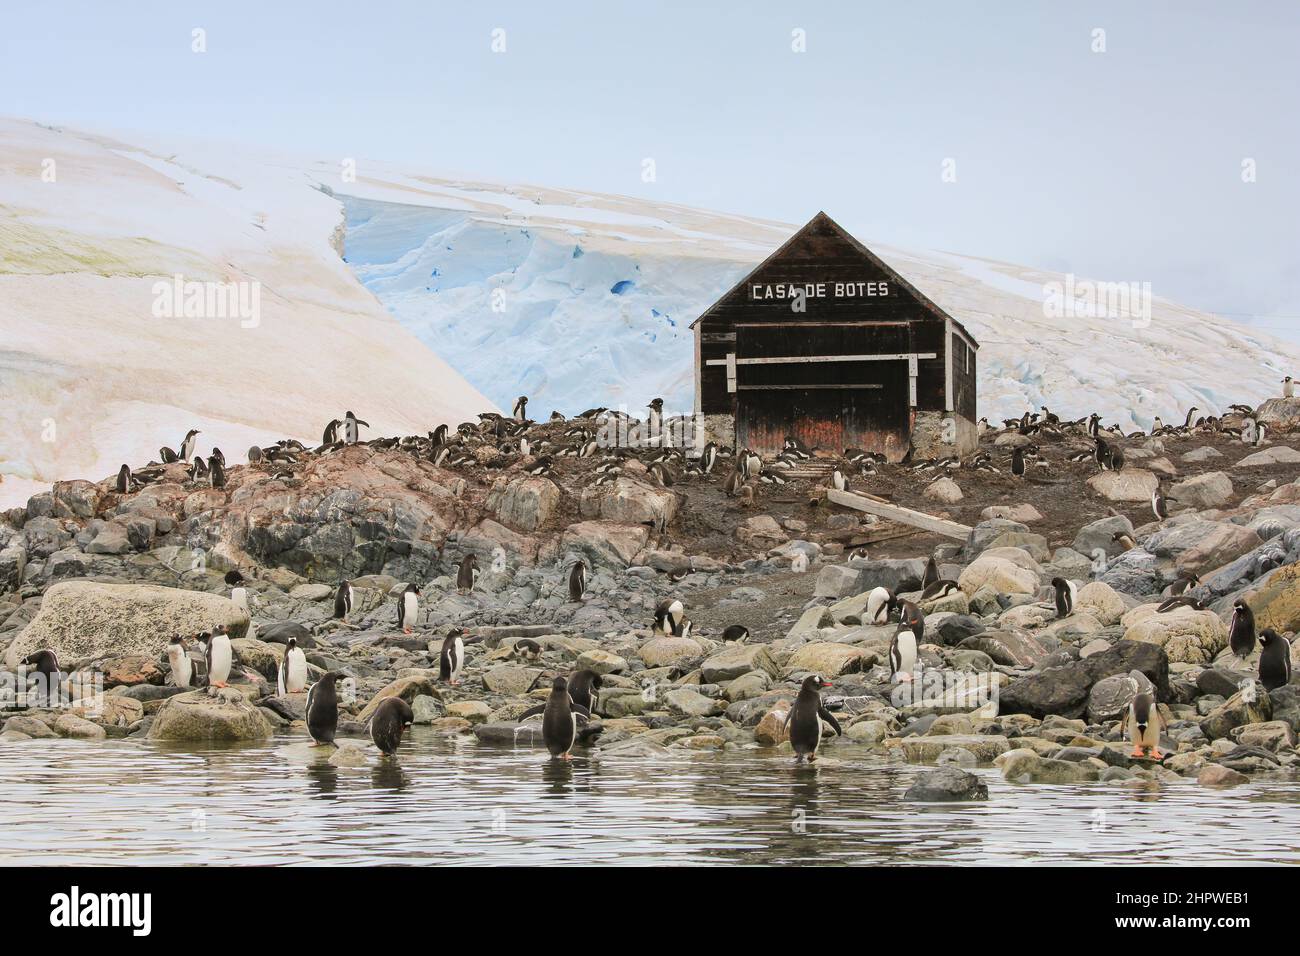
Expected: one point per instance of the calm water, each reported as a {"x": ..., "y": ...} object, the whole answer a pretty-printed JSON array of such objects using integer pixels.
[{"x": 449, "y": 801}]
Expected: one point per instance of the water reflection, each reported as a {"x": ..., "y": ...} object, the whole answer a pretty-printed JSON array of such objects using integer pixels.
[{"x": 112, "y": 802}]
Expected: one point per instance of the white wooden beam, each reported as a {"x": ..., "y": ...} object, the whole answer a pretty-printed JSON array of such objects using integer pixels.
[{"x": 916, "y": 519}]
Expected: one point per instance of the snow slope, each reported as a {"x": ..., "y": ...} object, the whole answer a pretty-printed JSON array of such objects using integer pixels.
[
  {"x": 90, "y": 378},
  {"x": 599, "y": 291}
]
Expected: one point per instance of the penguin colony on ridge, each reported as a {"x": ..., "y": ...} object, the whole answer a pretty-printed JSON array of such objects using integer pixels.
[{"x": 286, "y": 454}]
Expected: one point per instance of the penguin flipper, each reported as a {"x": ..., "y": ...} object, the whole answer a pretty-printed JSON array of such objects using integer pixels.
[
  {"x": 279, "y": 680},
  {"x": 532, "y": 712},
  {"x": 827, "y": 716},
  {"x": 580, "y": 710}
]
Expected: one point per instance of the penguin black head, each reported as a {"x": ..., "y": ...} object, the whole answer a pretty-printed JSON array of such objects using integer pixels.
[
  {"x": 292, "y": 643},
  {"x": 560, "y": 683},
  {"x": 177, "y": 640},
  {"x": 1268, "y": 636},
  {"x": 813, "y": 683}
]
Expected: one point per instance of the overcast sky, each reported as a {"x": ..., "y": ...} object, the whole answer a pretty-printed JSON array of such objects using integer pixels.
[{"x": 1125, "y": 164}]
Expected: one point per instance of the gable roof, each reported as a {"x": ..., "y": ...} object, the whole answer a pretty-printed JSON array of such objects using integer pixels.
[{"x": 821, "y": 219}]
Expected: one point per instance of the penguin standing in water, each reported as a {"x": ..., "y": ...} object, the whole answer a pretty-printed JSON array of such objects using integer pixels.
[
  {"x": 391, "y": 718},
  {"x": 220, "y": 656},
  {"x": 1066, "y": 594},
  {"x": 451, "y": 658},
  {"x": 187, "y": 445},
  {"x": 468, "y": 574},
  {"x": 178, "y": 657},
  {"x": 408, "y": 608},
  {"x": 323, "y": 709},
  {"x": 1160, "y": 504},
  {"x": 1274, "y": 659},
  {"x": 805, "y": 718},
  {"x": 902, "y": 653},
  {"x": 1241, "y": 629},
  {"x": 351, "y": 428},
  {"x": 577, "y": 581},
  {"x": 1144, "y": 726},
  {"x": 343, "y": 600},
  {"x": 46, "y": 664},
  {"x": 292, "y": 676},
  {"x": 879, "y": 603},
  {"x": 559, "y": 720},
  {"x": 520, "y": 411}
]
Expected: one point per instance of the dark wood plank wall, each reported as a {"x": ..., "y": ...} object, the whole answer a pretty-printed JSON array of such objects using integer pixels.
[{"x": 963, "y": 378}]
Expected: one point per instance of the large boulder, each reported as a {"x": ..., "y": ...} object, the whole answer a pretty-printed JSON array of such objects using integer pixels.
[
  {"x": 1249, "y": 706},
  {"x": 1064, "y": 690},
  {"x": 526, "y": 503},
  {"x": 737, "y": 660},
  {"x": 897, "y": 574},
  {"x": 999, "y": 573},
  {"x": 1276, "y": 601},
  {"x": 1203, "y": 492},
  {"x": 199, "y": 715},
  {"x": 606, "y": 543},
  {"x": 828, "y": 659},
  {"x": 1187, "y": 636},
  {"x": 84, "y": 620},
  {"x": 1128, "y": 484},
  {"x": 1277, "y": 455},
  {"x": 1196, "y": 545},
  {"x": 670, "y": 651},
  {"x": 628, "y": 501},
  {"x": 407, "y": 688},
  {"x": 1102, "y": 602},
  {"x": 1279, "y": 413}
]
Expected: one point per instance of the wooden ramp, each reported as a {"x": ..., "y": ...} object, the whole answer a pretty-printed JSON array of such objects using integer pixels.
[{"x": 882, "y": 509}]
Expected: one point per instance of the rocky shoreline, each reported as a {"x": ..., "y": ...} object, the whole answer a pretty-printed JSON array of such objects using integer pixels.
[{"x": 106, "y": 577}]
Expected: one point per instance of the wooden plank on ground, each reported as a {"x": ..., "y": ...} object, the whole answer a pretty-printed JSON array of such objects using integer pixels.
[{"x": 896, "y": 513}]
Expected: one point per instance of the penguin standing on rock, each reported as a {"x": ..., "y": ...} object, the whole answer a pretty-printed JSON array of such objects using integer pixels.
[
  {"x": 323, "y": 709},
  {"x": 343, "y": 600},
  {"x": 577, "y": 581},
  {"x": 584, "y": 689},
  {"x": 391, "y": 718},
  {"x": 1160, "y": 504},
  {"x": 1018, "y": 462},
  {"x": 292, "y": 676},
  {"x": 1241, "y": 629},
  {"x": 520, "y": 411},
  {"x": 468, "y": 574},
  {"x": 351, "y": 428},
  {"x": 331, "y": 433},
  {"x": 179, "y": 659},
  {"x": 46, "y": 664},
  {"x": 931, "y": 575},
  {"x": 220, "y": 657},
  {"x": 1066, "y": 594},
  {"x": 804, "y": 720},
  {"x": 879, "y": 603},
  {"x": 1274, "y": 660},
  {"x": 187, "y": 445},
  {"x": 903, "y": 653},
  {"x": 216, "y": 472},
  {"x": 123, "y": 479},
  {"x": 1144, "y": 726},
  {"x": 452, "y": 657},
  {"x": 408, "y": 608},
  {"x": 669, "y": 616}
]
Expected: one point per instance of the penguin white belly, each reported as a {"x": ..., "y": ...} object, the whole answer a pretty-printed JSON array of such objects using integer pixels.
[
  {"x": 905, "y": 653},
  {"x": 410, "y": 609},
  {"x": 240, "y": 597},
  {"x": 221, "y": 660},
  {"x": 181, "y": 670},
  {"x": 878, "y": 606},
  {"x": 295, "y": 678}
]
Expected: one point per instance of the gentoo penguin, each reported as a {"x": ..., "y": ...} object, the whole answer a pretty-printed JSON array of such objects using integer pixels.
[
  {"x": 391, "y": 718},
  {"x": 1274, "y": 659},
  {"x": 799, "y": 563},
  {"x": 584, "y": 689},
  {"x": 234, "y": 576},
  {"x": 902, "y": 653},
  {"x": 939, "y": 589},
  {"x": 1124, "y": 540},
  {"x": 198, "y": 468},
  {"x": 408, "y": 608},
  {"x": 1260, "y": 430},
  {"x": 452, "y": 657},
  {"x": 219, "y": 657},
  {"x": 350, "y": 428},
  {"x": 292, "y": 676},
  {"x": 254, "y": 454},
  {"x": 239, "y": 595},
  {"x": 343, "y": 600},
  {"x": 187, "y": 445},
  {"x": 805, "y": 718},
  {"x": 216, "y": 472},
  {"x": 1241, "y": 629},
  {"x": 1159, "y": 504},
  {"x": 331, "y": 433},
  {"x": 1066, "y": 593},
  {"x": 323, "y": 709},
  {"x": 1144, "y": 726},
  {"x": 1180, "y": 600},
  {"x": 1185, "y": 582},
  {"x": 179, "y": 658},
  {"x": 577, "y": 581},
  {"x": 123, "y": 479},
  {"x": 708, "y": 458},
  {"x": 736, "y": 632},
  {"x": 838, "y": 481},
  {"x": 912, "y": 617},
  {"x": 732, "y": 484},
  {"x": 669, "y": 616},
  {"x": 1288, "y": 387},
  {"x": 520, "y": 410},
  {"x": 527, "y": 649},
  {"x": 468, "y": 574},
  {"x": 931, "y": 574},
  {"x": 559, "y": 720},
  {"x": 655, "y": 420},
  {"x": 46, "y": 663},
  {"x": 167, "y": 455},
  {"x": 1018, "y": 462},
  {"x": 753, "y": 464},
  {"x": 879, "y": 603}
]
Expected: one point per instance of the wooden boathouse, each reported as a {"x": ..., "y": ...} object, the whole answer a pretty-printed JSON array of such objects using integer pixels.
[{"x": 826, "y": 342}]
